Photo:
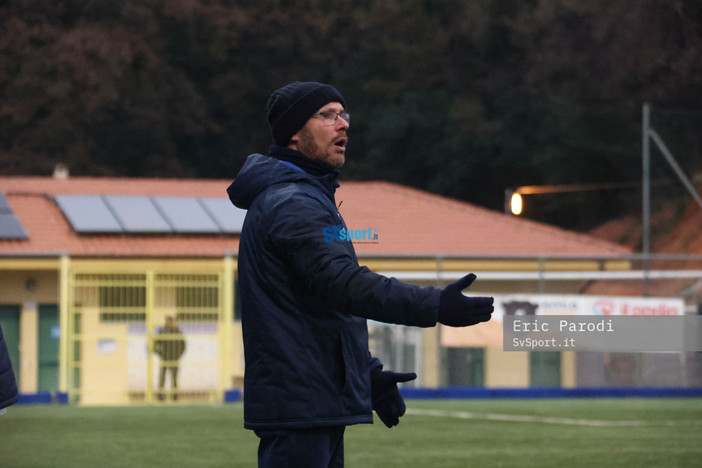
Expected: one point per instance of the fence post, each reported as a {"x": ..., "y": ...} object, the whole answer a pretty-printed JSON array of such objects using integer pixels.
[
  {"x": 149, "y": 323},
  {"x": 226, "y": 318},
  {"x": 64, "y": 321}
]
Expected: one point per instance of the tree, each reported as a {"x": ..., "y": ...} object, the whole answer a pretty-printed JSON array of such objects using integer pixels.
[{"x": 460, "y": 98}]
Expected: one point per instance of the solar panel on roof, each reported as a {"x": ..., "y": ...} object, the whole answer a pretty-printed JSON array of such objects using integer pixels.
[
  {"x": 88, "y": 213},
  {"x": 10, "y": 227},
  {"x": 228, "y": 217},
  {"x": 185, "y": 215},
  {"x": 143, "y": 214},
  {"x": 4, "y": 206},
  {"x": 137, "y": 214}
]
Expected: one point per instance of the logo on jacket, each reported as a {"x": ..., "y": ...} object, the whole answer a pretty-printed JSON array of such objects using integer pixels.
[{"x": 339, "y": 233}]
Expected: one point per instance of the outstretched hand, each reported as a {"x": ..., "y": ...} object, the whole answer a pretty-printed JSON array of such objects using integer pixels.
[{"x": 458, "y": 310}]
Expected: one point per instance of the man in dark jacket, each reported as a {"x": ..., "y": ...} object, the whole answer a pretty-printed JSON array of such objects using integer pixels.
[
  {"x": 8, "y": 385},
  {"x": 305, "y": 299},
  {"x": 170, "y": 346}
]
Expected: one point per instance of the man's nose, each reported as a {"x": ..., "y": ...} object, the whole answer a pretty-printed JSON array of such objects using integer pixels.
[{"x": 342, "y": 124}]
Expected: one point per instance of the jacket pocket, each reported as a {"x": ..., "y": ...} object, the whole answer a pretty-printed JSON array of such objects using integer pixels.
[{"x": 356, "y": 389}]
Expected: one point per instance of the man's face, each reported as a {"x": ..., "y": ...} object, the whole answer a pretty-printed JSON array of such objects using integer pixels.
[{"x": 322, "y": 141}]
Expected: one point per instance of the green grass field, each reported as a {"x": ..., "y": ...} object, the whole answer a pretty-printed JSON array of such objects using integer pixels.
[{"x": 452, "y": 433}]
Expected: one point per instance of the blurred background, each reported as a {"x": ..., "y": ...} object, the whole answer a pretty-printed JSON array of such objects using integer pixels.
[
  {"x": 463, "y": 99},
  {"x": 470, "y": 100}
]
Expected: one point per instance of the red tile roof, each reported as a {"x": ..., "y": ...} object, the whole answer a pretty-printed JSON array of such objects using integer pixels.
[
  {"x": 408, "y": 221},
  {"x": 414, "y": 222}
]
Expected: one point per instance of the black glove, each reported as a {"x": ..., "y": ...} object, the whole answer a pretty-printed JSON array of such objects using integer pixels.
[
  {"x": 387, "y": 401},
  {"x": 457, "y": 310}
]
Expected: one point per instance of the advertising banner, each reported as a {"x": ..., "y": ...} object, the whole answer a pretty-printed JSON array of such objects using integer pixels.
[{"x": 549, "y": 322}]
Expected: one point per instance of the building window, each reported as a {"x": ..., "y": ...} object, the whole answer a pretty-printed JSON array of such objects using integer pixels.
[
  {"x": 197, "y": 303},
  {"x": 122, "y": 303}
]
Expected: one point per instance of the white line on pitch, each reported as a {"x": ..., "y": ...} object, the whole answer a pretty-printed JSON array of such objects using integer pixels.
[{"x": 525, "y": 418}]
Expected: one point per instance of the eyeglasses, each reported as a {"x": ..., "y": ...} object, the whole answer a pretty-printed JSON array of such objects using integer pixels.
[{"x": 329, "y": 117}]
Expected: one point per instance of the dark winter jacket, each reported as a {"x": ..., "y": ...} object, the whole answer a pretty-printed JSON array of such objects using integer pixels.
[
  {"x": 8, "y": 385},
  {"x": 305, "y": 301}
]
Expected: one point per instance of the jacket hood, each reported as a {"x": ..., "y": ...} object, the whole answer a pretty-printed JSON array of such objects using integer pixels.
[{"x": 260, "y": 172}]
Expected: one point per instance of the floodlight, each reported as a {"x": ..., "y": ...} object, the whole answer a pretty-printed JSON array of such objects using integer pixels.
[{"x": 516, "y": 203}]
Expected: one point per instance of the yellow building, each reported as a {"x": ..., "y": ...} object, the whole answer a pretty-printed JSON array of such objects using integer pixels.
[{"x": 91, "y": 267}]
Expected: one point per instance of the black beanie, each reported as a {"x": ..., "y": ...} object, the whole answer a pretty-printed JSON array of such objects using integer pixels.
[{"x": 291, "y": 106}]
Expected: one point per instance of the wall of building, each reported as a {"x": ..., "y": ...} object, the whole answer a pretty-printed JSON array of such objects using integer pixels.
[
  {"x": 28, "y": 290},
  {"x": 504, "y": 369},
  {"x": 115, "y": 367}
]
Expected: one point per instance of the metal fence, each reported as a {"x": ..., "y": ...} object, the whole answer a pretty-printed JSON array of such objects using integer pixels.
[
  {"x": 117, "y": 350},
  {"x": 121, "y": 348}
]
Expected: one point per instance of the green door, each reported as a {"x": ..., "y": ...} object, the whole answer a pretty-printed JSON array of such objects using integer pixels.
[
  {"x": 48, "y": 348},
  {"x": 9, "y": 321},
  {"x": 545, "y": 369},
  {"x": 465, "y": 367}
]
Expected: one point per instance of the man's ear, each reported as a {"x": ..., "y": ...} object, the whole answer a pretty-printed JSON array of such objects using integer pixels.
[{"x": 294, "y": 140}]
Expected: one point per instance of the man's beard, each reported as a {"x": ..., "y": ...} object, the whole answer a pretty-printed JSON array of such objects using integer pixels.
[{"x": 307, "y": 146}]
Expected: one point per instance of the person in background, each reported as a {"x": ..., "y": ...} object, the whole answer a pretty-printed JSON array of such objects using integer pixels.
[
  {"x": 305, "y": 299},
  {"x": 169, "y": 344}
]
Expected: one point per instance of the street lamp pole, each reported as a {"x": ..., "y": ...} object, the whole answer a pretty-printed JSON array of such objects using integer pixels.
[{"x": 646, "y": 192}]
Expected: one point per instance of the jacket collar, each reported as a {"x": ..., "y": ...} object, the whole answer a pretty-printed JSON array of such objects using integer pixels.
[{"x": 310, "y": 166}]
